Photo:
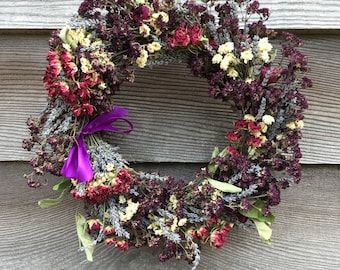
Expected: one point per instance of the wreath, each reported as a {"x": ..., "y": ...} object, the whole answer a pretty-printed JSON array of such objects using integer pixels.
[{"x": 226, "y": 43}]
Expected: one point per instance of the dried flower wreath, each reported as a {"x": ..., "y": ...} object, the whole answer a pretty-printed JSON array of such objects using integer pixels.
[{"x": 98, "y": 50}]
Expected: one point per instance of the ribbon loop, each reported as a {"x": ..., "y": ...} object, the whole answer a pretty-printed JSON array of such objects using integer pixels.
[{"x": 78, "y": 164}]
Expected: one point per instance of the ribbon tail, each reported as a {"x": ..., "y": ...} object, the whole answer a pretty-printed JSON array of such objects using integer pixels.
[
  {"x": 70, "y": 166},
  {"x": 85, "y": 172},
  {"x": 105, "y": 121},
  {"x": 78, "y": 165}
]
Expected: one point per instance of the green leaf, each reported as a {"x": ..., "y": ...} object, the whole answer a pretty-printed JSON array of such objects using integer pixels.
[
  {"x": 63, "y": 34},
  {"x": 225, "y": 187},
  {"x": 85, "y": 241},
  {"x": 255, "y": 212},
  {"x": 212, "y": 167},
  {"x": 63, "y": 184},
  {"x": 215, "y": 152},
  {"x": 264, "y": 231},
  {"x": 46, "y": 203},
  {"x": 66, "y": 38},
  {"x": 223, "y": 153}
]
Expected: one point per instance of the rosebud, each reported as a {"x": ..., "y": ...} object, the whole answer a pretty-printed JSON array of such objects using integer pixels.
[
  {"x": 109, "y": 230},
  {"x": 122, "y": 245},
  {"x": 94, "y": 224},
  {"x": 110, "y": 241}
]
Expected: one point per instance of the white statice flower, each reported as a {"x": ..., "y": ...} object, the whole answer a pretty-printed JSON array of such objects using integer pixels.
[
  {"x": 249, "y": 117},
  {"x": 174, "y": 224},
  {"x": 159, "y": 232},
  {"x": 130, "y": 210},
  {"x": 263, "y": 139},
  {"x": 268, "y": 119},
  {"x": 122, "y": 199},
  {"x": 182, "y": 222},
  {"x": 264, "y": 48},
  {"x": 144, "y": 53},
  {"x": 153, "y": 47},
  {"x": 86, "y": 42},
  {"x": 264, "y": 127},
  {"x": 232, "y": 73},
  {"x": 102, "y": 86},
  {"x": 279, "y": 137},
  {"x": 249, "y": 80},
  {"x": 217, "y": 58},
  {"x": 86, "y": 66},
  {"x": 264, "y": 56},
  {"x": 165, "y": 16},
  {"x": 226, "y": 48},
  {"x": 246, "y": 56},
  {"x": 142, "y": 59},
  {"x": 264, "y": 45},
  {"x": 144, "y": 30},
  {"x": 299, "y": 124},
  {"x": 291, "y": 125},
  {"x": 109, "y": 167},
  {"x": 230, "y": 57},
  {"x": 224, "y": 65}
]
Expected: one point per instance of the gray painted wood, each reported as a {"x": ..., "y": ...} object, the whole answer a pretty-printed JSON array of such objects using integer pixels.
[
  {"x": 174, "y": 118},
  {"x": 306, "y": 233},
  {"x": 285, "y": 14}
]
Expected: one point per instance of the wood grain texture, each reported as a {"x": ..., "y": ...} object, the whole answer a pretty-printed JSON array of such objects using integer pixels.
[
  {"x": 287, "y": 14},
  {"x": 174, "y": 118},
  {"x": 306, "y": 233}
]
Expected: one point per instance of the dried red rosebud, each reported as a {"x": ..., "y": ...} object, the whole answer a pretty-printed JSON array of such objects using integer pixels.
[
  {"x": 202, "y": 232},
  {"x": 195, "y": 34},
  {"x": 255, "y": 142},
  {"x": 240, "y": 124},
  {"x": 94, "y": 224},
  {"x": 217, "y": 239},
  {"x": 181, "y": 37},
  {"x": 225, "y": 229},
  {"x": 233, "y": 136},
  {"x": 254, "y": 127},
  {"x": 110, "y": 241},
  {"x": 122, "y": 245},
  {"x": 108, "y": 230},
  {"x": 231, "y": 150}
]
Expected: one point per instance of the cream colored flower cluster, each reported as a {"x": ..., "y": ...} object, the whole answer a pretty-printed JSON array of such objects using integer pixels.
[
  {"x": 227, "y": 58},
  {"x": 159, "y": 227},
  {"x": 144, "y": 53},
  {"x": 130, "y": 209}
]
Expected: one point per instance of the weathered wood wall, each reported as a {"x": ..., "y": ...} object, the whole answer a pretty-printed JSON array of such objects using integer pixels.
[{"x": 175, "y": 122}]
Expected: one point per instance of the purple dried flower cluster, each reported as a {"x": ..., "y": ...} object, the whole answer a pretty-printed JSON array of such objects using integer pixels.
[{"x": 90, "y": 59}]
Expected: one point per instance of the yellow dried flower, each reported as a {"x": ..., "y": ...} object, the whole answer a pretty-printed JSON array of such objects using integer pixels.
[
  {"x": 226, "y": 48},
  {"x": 217, "y": 58},
  {"x": 144, "y": 30},
  {"x": 268, "y": 119},
  {"x": 247, "y": 56},
  {"x": 153, "y": 47}
]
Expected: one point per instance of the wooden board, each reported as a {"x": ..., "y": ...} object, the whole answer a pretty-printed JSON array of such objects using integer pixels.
[
  {"x": 174, "y": 118},
  {"x": 287, "y": 14},
  {"x": 306, "y": 232}
]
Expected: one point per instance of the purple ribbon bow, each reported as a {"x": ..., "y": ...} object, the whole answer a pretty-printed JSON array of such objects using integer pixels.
[{"x": 78, "y": 164}]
